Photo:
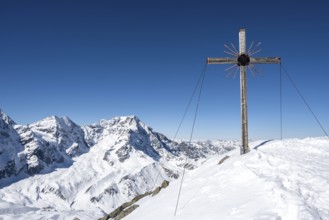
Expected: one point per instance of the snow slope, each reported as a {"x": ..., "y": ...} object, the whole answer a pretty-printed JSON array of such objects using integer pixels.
[
  {"x": 69, "y": 171},
  {"x": 286, "y": 179}
]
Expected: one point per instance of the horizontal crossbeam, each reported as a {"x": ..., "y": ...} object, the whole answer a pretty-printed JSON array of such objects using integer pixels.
[
  {"x": 253, "y": 60},
  {"x": 222, "y": 61},
  {"x": 264, "y": 60}
]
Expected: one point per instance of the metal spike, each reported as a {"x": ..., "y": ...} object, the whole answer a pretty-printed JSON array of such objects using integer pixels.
[
  {"x": 255, "y": 48},
  {"x": 231, "y": 50},
  {"x": 252, "y": 72},
  {"x": 230, "y": 53},
  {"x": 232, "y": 71},
  {"x": 252, "y": 43},
  {"x": 234, "y": 48},
  {"x": 257, "y": 51},
  {"x": 236, "y": 72},
  {"x": 230, "y": 67}
]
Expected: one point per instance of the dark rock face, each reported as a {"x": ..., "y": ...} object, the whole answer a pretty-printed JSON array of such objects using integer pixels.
[
  {"x": 141, "y": 140},
  {"x": 128, "y": 207},
  {"x": 9, "y": 147},
  {"x": 50, "y": 141},
  {"x": 8, "y": 170},
  {"x": 35, "y": 147},
  {"x": 124, "y": 153}
]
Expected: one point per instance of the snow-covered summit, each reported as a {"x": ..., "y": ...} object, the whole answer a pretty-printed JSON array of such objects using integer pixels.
[
  {"x": 5, "y": 119},
  {"x": 34, "y": 148},
  {"x": 118, "y": 125},
  {"x": 51, "y": 140},
  {"x": 91, "y": 169},
  {"x": 63, "y": 123},
  {"x": 128, "y": 122},
  {"x": 286, "y": 180},
  {"x": 10, "y": 147}
]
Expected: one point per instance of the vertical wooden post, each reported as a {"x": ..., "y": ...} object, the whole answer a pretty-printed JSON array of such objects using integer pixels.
[
  {"x": 242, "y": 60},
  {"x": 243, "y": 93},
  {"x": 242, "y": 41}
]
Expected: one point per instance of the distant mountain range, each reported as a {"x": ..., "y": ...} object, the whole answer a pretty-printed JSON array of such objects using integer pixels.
[{"x": 56, "y": 168}]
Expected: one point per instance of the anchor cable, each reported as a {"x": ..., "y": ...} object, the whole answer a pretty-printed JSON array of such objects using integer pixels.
[
  {"x": 201, "y": 77},
  {"x": 192, "y": 131},
  {"x": 200, "y": 80},
  {"x": 305, "y": 102}
]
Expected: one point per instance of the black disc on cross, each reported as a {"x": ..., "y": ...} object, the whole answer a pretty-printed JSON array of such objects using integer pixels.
[{"x": 243, "y": 60}]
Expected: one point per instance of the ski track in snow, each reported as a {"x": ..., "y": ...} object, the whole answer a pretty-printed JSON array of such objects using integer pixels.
[{"x": 279, "y": 180}]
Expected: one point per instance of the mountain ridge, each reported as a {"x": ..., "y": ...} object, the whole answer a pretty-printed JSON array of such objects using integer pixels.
[{"x": 93, "y": 169}]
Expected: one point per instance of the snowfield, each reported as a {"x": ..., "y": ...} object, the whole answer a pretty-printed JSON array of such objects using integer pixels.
[{"x": 286, "y": 179}]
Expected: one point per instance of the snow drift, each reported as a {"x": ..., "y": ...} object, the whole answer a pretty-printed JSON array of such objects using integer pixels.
[{"x": 286, "y": 179}]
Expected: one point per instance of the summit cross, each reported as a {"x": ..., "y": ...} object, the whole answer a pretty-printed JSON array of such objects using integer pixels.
[{"x": 242, "y": 60}]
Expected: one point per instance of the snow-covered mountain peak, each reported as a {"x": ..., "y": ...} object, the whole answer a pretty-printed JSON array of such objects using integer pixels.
[
  {"x": 48, "y": 142},
  {"x": 101, "y": 165},
  {"x": 126, "y": 122},
  {"x": 10, "y": 146},
  {"x": 120, "y": 127},
  {"x": 55, "y": 122},
  {"x": 5, "y": 118}
]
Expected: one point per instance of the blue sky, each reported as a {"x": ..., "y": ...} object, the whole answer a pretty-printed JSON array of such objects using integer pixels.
[{"x": 99, "y": 59}]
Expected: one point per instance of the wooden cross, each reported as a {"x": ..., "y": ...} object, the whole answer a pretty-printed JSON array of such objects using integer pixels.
[{"x": 242, "y": 61}]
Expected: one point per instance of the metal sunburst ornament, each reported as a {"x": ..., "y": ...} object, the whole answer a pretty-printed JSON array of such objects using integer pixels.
[{"x": 241, "y": 60}]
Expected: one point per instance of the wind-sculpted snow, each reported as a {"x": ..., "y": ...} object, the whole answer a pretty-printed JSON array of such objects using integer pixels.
[
  {"x": 71, "y": 171},
  {"x": 286, "y": 179}
]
